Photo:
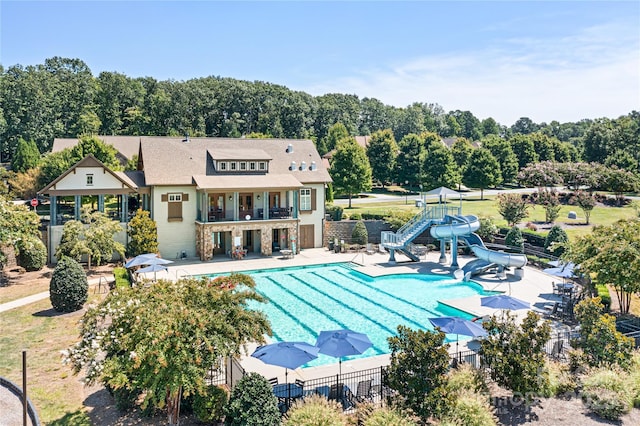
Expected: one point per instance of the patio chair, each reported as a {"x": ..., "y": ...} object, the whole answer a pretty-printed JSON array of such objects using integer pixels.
[
  {"x": 557, "y": 351},
  {"x": 340, "y": 393},
  {"x": 363, "y": 392},
  {"x": 370, "y": 249}
]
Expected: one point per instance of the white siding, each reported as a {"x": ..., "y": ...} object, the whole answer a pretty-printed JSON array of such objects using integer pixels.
[
  {"x": 78, "y": 180},
  {"x": 316, "y": 216},
  {"x": 175, "y": 237}
]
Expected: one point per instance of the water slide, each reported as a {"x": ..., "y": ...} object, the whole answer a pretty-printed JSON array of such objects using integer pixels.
[{"x": 465, "y": 227}]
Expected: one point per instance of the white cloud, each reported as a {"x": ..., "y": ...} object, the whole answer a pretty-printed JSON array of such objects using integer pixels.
[{"x": 593, "y": 73}]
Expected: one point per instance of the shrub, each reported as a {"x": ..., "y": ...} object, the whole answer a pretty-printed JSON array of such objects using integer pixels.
[
  {"x": 360, "y": 234},
  {"x": 605, "y": 393},
  {"x": 209, "y": 407},
  {"x": 32, "y": 253},
  {"x": 465, "y": 377},
  {"x": 315, "y": 410},
  {"x": 252, "y": 402},
  {"x": 335, "y": 212},
  {"x": 512, "y": 207},
  {"x": 143, "y": 234},
  {"x": 634, "y": 378},
  {"x": 514, "y": 239},
  {"x": 555, "y": 237},
  {"x": 470, "y": 409},
  {"x": 356, "y": 216},
  {"x": 68, "y": 289},
  {"x": 561, "y": 381},
  {"x": 605, "y": 296},
  {"x": 487, "y": 230},
  {"x": 387, "y": 417},
  {"x": 121, "y": 277}
]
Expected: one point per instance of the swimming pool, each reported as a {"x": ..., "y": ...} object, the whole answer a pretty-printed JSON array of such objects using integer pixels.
[{"x": 303, "y": 301}]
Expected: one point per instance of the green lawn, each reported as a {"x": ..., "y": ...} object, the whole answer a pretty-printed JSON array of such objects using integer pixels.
[{"x": 601, "y": 215}]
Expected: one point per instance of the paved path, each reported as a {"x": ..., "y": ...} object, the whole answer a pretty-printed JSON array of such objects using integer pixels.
[{"x": 40, "y": 296}]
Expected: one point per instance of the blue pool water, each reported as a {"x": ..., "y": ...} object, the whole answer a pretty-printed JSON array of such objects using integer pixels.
[{"x": 303, "y": 301}]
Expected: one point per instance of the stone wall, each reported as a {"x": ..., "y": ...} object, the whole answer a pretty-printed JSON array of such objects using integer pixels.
[{"x": 343, "y": 229}]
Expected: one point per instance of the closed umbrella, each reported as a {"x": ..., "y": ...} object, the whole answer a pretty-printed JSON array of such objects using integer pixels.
[
  {"x": 457, "y": 326},
  {"x": 339, "y": 343}
]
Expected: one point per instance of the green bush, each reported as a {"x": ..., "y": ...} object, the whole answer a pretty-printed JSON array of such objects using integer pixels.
[
  {"x": 470, "y": 409},
  {"x": 387, "y": 417},
  {"x": 355, "y": 216},
  {"x": 605, "y": 296},
  {"x": 32, "y": 253},
  {"x": 252, "y": 402},
  {"x": 359, "y": 235},
  {"x": 68, "y": 289},
  {"x": 315, "y": 411},
  {"x": 209, "y": 407},
  {"x": 487, "y": 230},
  {"x": 121, "y": 277},
  {"x": 606, "y": 394},
  {"x": 634, "y": 378},
  {"x": 556, "y": 236},
  {"x": 514, "y": 239},
  {"x": 335, "y": 212}
]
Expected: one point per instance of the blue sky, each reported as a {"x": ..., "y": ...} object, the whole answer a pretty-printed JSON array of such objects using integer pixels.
[{"x": 546, "y": 60}]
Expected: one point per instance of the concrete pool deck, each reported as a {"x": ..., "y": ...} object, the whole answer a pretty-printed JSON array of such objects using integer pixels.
[{"x": 535, "y": 286}]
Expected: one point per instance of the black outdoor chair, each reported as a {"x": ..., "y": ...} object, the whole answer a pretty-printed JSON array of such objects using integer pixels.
[{"x": 363, "y": 392}]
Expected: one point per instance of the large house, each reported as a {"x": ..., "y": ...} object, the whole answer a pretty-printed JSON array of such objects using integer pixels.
[{"x": 208, "y": 196}]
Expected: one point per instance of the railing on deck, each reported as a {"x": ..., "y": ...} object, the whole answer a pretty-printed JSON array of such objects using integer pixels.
[{"x": 415, "y": 223}]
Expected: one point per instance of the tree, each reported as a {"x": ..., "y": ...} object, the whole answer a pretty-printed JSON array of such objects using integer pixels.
[
  {"x": 26, "y": 156},
  {"x": 360, "y": 234},
  {"x": 543, "y": 174},
  {"x": 622, "y": 160},
  {"x": 524, "y": 149},
  {"x": 620, "y": 181},
  {"x": 512, "y": 207},
  {"x": 93, "y": 236},
  {"x": 515, "y": 353},
  {"x": 381, "y": 152},
  {"x": 585, "y": 201},
  {"x": 17, "y": 222},
  {"x": 548, "y": 199},
  {"x": 514, "y": 239},
  {"x": 163, "y": 339},
  {"x": 611, "y": 255},
  {"x": 419, "y": 363},
  {"x": 439, "y": 168},
  {"x": 483, "y": 171},
  {"x": 336, "y": 133},
  {"x": 601, "y": 342},
  {"x": 143, "y": 234},
  {"x": 487, "y": 230},
  {"x": 350, "y": 168},
  {"x": 502, "y": 151},
  {"x": 92, "y": 145},
  {"x": 68, "y": 289},
  {"x": 408, "y": 161},
  {"x": 555, "y": 241},
  {"x": 53, "y": 165},
  {"x": 24, "y": 185}
]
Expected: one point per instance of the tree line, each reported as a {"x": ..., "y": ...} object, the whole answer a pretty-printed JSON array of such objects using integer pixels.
[{"x": 62, "y": 98}]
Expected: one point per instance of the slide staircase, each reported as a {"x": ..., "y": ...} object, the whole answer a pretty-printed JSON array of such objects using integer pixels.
[{"x": 401, "y": 240}]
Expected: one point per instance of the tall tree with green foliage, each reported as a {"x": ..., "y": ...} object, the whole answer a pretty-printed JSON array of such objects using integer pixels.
[
  {"x": 611, "y": 254},
  {"x": 93, "y": 145},
  {"x": 26, "y": 156},
  {"x": 350, "y": 169},
  {"x": 515, "y": 352},
  {"x": 336, "y": 133},
  {"x": 161, "y": 341},
  {"x": 419, "y": 363},
  {"x": 483, "y": 171},
  {"x": 143, "y": 234},
  {"x": 16, "y": 223},
  {"x": 409, "y": 160},
  {"x": 382, "y": 150},
  {"x": 502, "y": 151},
  {"x": 439, "y": 168},
  {"x": 92, "y": 236},
  {"x": 524, "y": 149}
]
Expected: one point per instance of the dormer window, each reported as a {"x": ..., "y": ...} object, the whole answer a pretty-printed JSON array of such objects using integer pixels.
[
  {"x": 262, "y": 166},
  {"x": 252, "y": 166},
  {"x": 233, "y": 166},
  {"x": 243, "y": 165},
  {"x": 222, "y": 165}
]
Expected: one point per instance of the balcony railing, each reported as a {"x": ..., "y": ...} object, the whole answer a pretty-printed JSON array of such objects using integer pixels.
[{"x": 258, "y": 214}]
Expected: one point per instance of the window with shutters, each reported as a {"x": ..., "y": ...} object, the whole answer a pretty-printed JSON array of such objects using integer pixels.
[
  {"x": 305, "y": 199},
  {"x": 174, "y": 207}
]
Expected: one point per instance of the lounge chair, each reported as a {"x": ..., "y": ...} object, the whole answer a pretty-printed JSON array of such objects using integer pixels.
[
  {"x": 557, "y": 351},
  {"x": 370, "y": 249},
  {"x": 363, "y": 392}
]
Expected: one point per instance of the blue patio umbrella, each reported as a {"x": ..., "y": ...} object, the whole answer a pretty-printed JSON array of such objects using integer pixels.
[
  {"x": 289, "y": 355},
  {"x": 457, "y": 326},
  {"x": 503, "y": 301},
  {"x": 152, "y": 268},
  {"x": 344, "y": 342}
]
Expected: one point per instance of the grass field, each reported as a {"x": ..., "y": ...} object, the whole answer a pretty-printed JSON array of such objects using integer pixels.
[{"x": 601, "y": 215}]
